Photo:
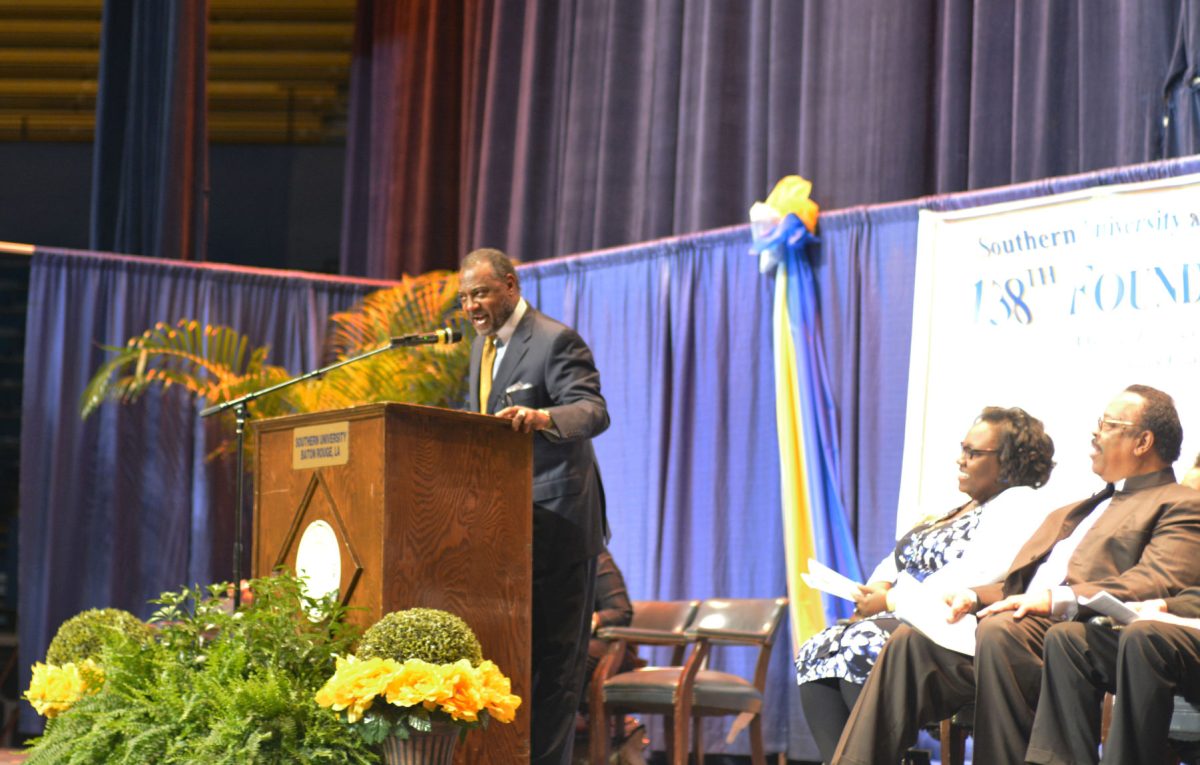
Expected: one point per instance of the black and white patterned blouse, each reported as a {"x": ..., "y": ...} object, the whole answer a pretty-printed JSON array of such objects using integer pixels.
[{"x": 849, "y": 651}]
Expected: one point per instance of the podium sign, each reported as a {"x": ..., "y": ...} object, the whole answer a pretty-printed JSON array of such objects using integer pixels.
[{"x": 400, "y": 506}]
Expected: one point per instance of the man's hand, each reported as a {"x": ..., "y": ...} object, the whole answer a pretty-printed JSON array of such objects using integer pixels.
[
  {"x": 961, "y": 603},
  {"x": 525, "y": 419},
  {"x": 1037, "y": 603}
]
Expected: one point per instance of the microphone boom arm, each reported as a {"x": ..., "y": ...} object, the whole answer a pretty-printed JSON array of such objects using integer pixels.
[{"x": 241, "y": 401}]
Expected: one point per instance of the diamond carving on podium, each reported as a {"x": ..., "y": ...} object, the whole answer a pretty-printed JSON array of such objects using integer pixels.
[{"x": 318, "y": 504}]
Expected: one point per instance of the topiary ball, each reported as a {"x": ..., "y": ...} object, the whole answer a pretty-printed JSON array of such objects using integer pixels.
[
  {"x": 82, "y": 636},
  {"x": 434, "y": 636}
]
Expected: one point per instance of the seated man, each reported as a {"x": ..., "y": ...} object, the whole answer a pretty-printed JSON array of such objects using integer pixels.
[
  {"x": 1153, "y": 661},
  {"x": 1138, "y": 541},
  {"x": 1156, "y": 661}
]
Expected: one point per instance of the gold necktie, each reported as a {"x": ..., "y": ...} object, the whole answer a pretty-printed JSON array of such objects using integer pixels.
[{"x": 485, "y": 371}]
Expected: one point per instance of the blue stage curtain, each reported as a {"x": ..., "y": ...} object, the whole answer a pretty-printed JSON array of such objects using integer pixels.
[
  {"x": 863, "y": 266},
  {"x": 150, "y": 156},
  {"x": 121, "y": 506},
  {"x": 681, "y": 331}
]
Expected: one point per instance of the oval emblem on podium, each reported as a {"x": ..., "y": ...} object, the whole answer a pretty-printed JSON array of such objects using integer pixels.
[{"x": 319, "y": 561}]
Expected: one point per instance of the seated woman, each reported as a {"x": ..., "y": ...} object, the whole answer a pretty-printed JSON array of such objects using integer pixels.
[{"x": 1005, "y": 456}]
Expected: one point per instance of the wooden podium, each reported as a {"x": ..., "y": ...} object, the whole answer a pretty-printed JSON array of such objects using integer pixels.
[{"x": 424, "y": 507}]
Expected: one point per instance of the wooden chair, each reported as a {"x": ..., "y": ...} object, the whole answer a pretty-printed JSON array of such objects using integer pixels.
[
  {"x": 655, "y": 623},
  {"x": 685, "y": 694},
  {"x": 953, "y": 733}
]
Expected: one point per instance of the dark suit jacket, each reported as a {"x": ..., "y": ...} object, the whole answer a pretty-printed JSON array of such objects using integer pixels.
[
  {"x": 1186, "y": 603},
  {"x": 1145, "y": 546},
  {"x": 548, "y": 366}
]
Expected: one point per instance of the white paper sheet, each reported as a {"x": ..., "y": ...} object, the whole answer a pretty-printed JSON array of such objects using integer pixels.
[
  {"x": 927, "y": 612},
  {"x": 823, "y": 578},
  {"x": 1181, "y": 621},
  {"x": 1103, "y": 603}
]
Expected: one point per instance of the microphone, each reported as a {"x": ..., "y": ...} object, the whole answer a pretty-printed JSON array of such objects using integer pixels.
[{"x": 443, "y": 336}]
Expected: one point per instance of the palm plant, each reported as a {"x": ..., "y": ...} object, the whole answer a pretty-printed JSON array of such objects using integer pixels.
[{"x": 217, "y": 363}]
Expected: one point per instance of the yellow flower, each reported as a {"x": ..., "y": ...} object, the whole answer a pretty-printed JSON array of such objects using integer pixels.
[
  {"x": 497, "y": 693},
  {"x": 416, "y": 682},
  {"x": 53, "y": 690},
  {"x": 464, "y": 691},
  {"x": 458, "y": 689},
  {"x": 355, "y": 684}
]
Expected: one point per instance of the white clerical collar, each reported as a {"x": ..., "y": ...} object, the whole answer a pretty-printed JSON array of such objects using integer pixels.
[{"x": 505, "y": 333}]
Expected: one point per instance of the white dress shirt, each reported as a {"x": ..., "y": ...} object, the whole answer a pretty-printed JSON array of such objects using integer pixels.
[
  {"x": 505, "y": 333},
  {"x": 1053, "y": 571}
]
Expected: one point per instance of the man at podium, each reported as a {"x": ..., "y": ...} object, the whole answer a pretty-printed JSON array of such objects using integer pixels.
[{"x": 538, "y": 373}]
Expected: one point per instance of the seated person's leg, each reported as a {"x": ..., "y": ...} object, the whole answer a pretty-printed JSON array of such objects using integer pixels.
[
  {"x": 1080, "y": 666},
  {"x": 914, "y": 682},
  {"x": 1008, "y": 666},
  {"x": 1154, "y": 662}
]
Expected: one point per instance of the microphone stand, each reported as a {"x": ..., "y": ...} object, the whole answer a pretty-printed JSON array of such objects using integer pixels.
[{"x": 241, "y": 416}]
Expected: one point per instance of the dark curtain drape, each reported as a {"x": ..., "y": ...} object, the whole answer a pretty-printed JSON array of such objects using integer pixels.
[
  {"x": 546, "y": 128},
  {"x": 121, "y": 506},
  {"x": 150, "y": 160},
  {"x": 403, "y": 142},
  {"x": 1181, "y": 91}
]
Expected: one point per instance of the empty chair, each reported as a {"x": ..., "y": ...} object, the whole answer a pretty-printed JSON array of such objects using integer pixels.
[
  {"x": 687, "y": 692},
  {"x": 655, "y": 622}
]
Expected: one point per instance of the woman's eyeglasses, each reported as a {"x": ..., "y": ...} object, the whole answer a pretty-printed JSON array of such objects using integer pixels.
[{"x": 973, "y": 454}]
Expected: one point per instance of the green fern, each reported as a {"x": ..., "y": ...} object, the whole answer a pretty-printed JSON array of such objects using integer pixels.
[
  {"x": 211, "y": 362},
  {"x": 216, "y": 687},
  {"x": 217, "y": 363}
]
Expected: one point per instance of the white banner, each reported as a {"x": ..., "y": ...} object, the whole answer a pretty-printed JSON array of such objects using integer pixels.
[{"x": 1053, "y": 304}]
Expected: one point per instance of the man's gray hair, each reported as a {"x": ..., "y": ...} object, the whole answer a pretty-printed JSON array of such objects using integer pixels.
[{"x": 501, "y": 265}]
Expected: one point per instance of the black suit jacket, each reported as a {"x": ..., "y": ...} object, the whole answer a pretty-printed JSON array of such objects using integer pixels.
[{"x": 547, "y": 365}]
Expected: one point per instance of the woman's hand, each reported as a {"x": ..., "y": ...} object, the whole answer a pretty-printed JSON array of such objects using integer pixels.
[{"x": 871, "y": 599}]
